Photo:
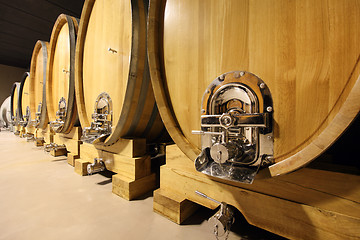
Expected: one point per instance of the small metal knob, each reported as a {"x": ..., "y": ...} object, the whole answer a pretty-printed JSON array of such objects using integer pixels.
[{"x": 112, "y": 50}]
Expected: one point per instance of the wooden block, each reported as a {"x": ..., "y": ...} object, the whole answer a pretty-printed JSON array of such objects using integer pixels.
[
  {"x": 133, "y": 168},
  {"x": 81, "y": 167},
  {"x": 75, "y": 133},
  {"x": 58, "y": 152},
  {"x": 71, "y": 159},
  {"x": 57, "y": 139},
  {"x": 72, "y": 145},
  {"x": 129, "y": 189},
  {"x": 174, "y": 207},
  {"x": 89, "y": 152},
  {"x": 39, "y": 142},
  {"x": 128, "y": 147}
]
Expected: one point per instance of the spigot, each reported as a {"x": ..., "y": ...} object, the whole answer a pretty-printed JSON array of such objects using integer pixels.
[
  {"x": 97, "y": 166},
  {"x": 222, "y": 220}
]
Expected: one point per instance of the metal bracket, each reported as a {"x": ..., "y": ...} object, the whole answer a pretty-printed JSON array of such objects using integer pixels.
[
  {"x": 101, "y": 126},
  {"x": 236, "y": 127}
]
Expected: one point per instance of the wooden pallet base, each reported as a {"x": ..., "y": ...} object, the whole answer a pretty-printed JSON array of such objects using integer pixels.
[
  {"x": 286, "y": 205},
  {"x": 134, "y": 175}
]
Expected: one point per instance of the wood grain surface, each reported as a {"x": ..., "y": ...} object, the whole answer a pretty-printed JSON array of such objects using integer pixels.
[
  {"x": 307, "y": 52},
  {"x": 60, "y": 70},
  {"x": 111, "y": 58},
  {"x": 37, "y": 77}
]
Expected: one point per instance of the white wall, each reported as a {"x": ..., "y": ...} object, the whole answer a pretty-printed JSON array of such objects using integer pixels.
[{"x": 9, "y": 75}]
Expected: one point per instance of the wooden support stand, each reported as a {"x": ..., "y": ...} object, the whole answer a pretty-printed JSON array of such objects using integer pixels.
[
  {"x": 42, "y": 136},
  {"x": 306, "y": 204},
  {"x": 22, "y": 132},
  {"x": 71, "y": 141},
  {"x": 17, "y": 129},
  {"x": 128, "y": 159}
]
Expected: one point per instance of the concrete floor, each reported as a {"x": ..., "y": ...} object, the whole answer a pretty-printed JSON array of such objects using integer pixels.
[{"x": 41, "y": 197}]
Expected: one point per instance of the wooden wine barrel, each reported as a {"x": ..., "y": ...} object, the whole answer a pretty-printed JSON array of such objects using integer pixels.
[
  {"x": 60, "y": 79},
  {"x": 14, "y": 98},
  {"x": 5, "y": 112},
  {"x": 24, "y": 99},
  {"x": 307, "y": 52},
  {"x": 111, "y": 59},
  {"x": 37, "y": 83}
]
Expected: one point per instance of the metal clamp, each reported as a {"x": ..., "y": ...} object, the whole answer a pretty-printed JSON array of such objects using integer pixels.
[
  {"x": 236, "y": 127},
  {"x": 101, "y": 126}
]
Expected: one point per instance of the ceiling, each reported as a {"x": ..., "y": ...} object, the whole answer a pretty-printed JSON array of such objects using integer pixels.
[{"x": 23, "y": 22}]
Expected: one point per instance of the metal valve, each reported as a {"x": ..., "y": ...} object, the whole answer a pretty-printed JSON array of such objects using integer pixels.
[
  {"x": 36, "y": 122},
  {"x": 57, "y": 125},
  {"x": 236, "y": 127},
  {"x": 29, "y": 137},
  {"x": 53, "y": 146},
  {"x": 97, "y": 166},
  {"x": 101, "y": 126},
  {"x": 222, "y": 220},
  {"x": 26, "y": 118}
]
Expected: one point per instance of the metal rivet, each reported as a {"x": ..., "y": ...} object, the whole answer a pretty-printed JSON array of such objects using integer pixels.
[
  {"x": 202, "y": 110},
  {"x": 269, "y": 137},
  {"x": 269, "y": 109},
  {"x": 236, "y": 75},
  {"x": 262, "y": 85},
  {"x": 208, "y": 91},
  {"x": 242, "y": 74},
  {"x": 222, "y": 77}
]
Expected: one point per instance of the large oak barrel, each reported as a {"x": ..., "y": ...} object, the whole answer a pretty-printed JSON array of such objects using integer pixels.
[
  {"x": 112, "y": 81},
  {"x": 60, "y": 86},
  {"x": 24, "y": 100},
  {"x": 14, "y": 99},
  {"x": 305, "y": 52},
  {"x": 5, "y": 115},
  {"x": 37, "y": 84}
]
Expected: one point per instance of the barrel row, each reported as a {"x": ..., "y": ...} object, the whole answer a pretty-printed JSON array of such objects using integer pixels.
[
  {"x": 112, "y": 59},
  {"x": 236, "y": 84}
]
